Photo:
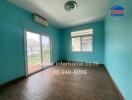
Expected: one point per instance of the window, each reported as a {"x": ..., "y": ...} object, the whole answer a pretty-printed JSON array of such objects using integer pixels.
[{"x": 82, "y": 40}]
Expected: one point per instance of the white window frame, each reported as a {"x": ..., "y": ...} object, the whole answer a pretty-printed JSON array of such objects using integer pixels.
[{"x": 88, "y": 32}]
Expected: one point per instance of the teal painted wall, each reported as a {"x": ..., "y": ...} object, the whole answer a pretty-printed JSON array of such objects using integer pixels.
[
  {"x": 118, "y": 35},
  {"x": 13, "y": 20},
  {"x": 98, "y": 35},
  {"x": 118, "y": 49}
]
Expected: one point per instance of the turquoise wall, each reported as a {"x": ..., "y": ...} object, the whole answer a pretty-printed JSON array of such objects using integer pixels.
[
  {"x": 118, "y": 49},
  {"x": 13, "y": 20},
  {"x": 98, "y": 35},
  {"x": 117, "y": 37}
]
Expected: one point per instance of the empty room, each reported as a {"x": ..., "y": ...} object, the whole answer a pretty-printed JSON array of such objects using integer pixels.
[{"x": 65, "y": 50}]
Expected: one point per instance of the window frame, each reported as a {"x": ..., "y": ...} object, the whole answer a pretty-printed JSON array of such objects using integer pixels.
[{"x": 81, "y": 43}]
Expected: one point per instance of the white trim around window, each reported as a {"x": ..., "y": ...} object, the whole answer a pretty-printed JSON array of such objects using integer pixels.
[{"x": 82, "y": 42}]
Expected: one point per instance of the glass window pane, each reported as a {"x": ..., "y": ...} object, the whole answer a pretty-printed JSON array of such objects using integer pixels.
[
  {"x": 33, "y": 52},
  {"x": 76, "y": 44},
  {"x": 87, "y": 47},
  {"x": 46, "y": 50},
  {"x": 87, "y": 44},
  {"x": 86, "y": 39}
]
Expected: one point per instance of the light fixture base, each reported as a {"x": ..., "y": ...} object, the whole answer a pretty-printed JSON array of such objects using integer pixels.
[{"x": 70, "y": 5}]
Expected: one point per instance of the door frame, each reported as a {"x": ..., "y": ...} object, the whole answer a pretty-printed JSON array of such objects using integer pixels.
[{"x": 25, "y": 51}]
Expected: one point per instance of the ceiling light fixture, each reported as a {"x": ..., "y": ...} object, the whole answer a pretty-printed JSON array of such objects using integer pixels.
[{"x": 70, "y": 5}]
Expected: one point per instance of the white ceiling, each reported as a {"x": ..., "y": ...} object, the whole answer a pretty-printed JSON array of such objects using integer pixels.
[{"x": 53, "y": 10}]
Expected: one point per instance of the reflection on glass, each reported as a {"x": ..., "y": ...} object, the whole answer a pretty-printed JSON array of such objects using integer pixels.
[{"x": 33, "y": 52}]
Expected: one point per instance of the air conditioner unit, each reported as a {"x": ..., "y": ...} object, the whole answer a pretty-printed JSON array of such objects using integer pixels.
[{"x": 40, "y": 20}]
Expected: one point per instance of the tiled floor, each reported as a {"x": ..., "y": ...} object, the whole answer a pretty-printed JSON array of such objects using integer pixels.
[{"x": 53, "y": 85}]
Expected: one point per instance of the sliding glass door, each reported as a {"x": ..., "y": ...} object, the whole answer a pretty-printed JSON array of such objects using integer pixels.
[
  {"x": 46, "y": 47},
  {"x": 33, "y": 52},
  {"x": 38, "y": 54}
]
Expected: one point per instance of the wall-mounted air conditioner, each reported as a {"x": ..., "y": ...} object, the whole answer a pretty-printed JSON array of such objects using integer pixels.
[{"x": 40, "y": 20}]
